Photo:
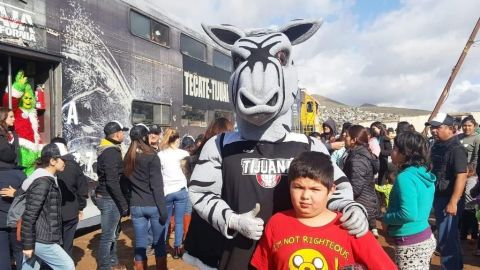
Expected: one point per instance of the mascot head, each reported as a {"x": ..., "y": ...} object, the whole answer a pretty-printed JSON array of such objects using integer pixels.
[
  {"x": 263, "y": 84},
  {"x": 27, "y": 101}
]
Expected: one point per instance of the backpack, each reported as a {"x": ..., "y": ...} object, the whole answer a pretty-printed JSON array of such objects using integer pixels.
[{"x": 16, "y": 210}]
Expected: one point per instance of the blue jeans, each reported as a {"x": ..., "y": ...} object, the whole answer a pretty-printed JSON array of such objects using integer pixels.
[
  {"x": 8, "y": 240},
  {"x": 141, "y": 217},
  {"x": 110, "y": 224},
  {"x": 188, "y": 207},
  {"x": 51, "y": 254},
  {"x": 177, "y": 202},
  {"x": 149, "y": 235},
  {"x": 448, "y": 237}
]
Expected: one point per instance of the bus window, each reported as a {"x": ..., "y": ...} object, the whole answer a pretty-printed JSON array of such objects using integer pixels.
[
  {"x": 147, "y": 28},
  {"x": 194, "y": 117},
  {"x": 139, "y": 25},
  {"x": 309, "y": 106},
  {"x": 159, "y": 33},
  {"x": 193, "y": 48},
  {"x": 222, "y": 61},
  {"x": 150, "y": 113}
]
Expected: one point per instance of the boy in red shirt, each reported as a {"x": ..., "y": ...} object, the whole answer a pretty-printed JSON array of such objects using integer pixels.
[{"x": 310, "y": 236}]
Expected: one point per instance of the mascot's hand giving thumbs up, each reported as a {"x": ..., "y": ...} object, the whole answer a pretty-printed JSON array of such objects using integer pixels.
[{"x": 248, "y": 224}]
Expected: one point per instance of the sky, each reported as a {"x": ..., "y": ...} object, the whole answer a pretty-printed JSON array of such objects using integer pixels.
[{"x": 385, "y": 52}]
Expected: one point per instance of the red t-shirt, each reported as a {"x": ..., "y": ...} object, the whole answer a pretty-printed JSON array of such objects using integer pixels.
[{"x": 289, "y": 244}]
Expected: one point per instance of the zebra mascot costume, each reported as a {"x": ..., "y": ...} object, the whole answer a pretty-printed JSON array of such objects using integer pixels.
[{"x": 240, "y": 179}]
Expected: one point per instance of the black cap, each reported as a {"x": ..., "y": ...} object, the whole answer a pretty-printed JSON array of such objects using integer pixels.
[
  {"x": 441, "y": 119},
  {"x": 156, "y": 129},
  {"x": 112, "y": 127},
  {"x": 138, "y": 132},
  {"x": 54, "y": 150}
]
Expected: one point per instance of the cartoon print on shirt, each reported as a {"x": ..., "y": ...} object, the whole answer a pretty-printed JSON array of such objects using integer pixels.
[{"x": 307, "y": 259}]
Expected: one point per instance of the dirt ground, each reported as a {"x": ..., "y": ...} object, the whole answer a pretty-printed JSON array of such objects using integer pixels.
[{"x": 88, "y": 241}]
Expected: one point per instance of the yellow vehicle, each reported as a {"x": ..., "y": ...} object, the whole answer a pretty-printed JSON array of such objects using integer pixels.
[{"x": 306, "y": 114}]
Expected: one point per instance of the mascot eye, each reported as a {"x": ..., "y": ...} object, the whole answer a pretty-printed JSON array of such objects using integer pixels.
[
  {"x": 237, "y": 60},
  {"x": 282, "y": 57}
]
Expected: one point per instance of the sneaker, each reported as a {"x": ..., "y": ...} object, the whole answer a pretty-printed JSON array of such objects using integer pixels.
[
  {"x": 150, "y": 251},
  {"x": 177, "y": 253},
  {"x": 375, "y": 233}
]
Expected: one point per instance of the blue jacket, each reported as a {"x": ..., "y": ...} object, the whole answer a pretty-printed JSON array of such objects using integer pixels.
[
  {"x": 411, "y": 200},
  {"x": 9, "y": 176}
]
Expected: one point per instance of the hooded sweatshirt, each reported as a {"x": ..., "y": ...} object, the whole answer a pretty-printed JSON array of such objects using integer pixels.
[
  {"x": 333, "y": 130},
  {"x": 410, "y": 202},
  {"x": 40, "y": 172}
]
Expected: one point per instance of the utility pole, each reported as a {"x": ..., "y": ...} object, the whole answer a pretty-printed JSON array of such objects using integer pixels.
[{"x": 455, "y": 70}]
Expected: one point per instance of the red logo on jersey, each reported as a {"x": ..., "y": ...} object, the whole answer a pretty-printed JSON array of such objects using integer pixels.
[{"x": 268, "y": 180}]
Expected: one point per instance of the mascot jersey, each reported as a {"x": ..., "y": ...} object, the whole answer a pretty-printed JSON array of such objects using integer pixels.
[
  {"x": 289, "y": 244},
  {"x": 253, "y": 172}
]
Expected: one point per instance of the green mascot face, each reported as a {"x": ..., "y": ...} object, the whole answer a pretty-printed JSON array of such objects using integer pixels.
[{"x": 28, "y": 99}]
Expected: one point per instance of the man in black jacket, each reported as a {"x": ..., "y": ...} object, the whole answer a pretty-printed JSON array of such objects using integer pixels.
[
  {"x": 449, "y": 164},
  {"x": 74, "y": 187},
  {"x": 109, "y": 197}
]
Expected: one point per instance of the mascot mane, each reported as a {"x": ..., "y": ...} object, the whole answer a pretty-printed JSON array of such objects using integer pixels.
[{"x": 263, "y": 85}]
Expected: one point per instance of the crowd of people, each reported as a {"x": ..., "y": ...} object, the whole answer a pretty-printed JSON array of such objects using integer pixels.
[{"x": 400, "y": 177}]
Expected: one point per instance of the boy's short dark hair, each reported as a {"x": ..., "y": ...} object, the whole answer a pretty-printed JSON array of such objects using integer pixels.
[{"x": 313, "y": 165}]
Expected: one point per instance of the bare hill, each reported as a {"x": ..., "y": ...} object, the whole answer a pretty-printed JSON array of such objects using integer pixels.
[
  {"x": 341, "y": 112},
  {"x": 324, "y": 101},
  {"x": 396, "y": 110}
]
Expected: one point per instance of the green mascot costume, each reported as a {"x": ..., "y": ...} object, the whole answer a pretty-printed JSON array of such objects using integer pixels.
[{"x": 26, "y": 121}]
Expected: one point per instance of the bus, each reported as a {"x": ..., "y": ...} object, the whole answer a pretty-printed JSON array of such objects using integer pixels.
[{"x": 94, "y": 61}]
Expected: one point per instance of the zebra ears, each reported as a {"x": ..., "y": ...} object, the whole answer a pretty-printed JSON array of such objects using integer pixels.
[
  {"x": 300, "y": 30},
  {"x": 224, "y": 35}
]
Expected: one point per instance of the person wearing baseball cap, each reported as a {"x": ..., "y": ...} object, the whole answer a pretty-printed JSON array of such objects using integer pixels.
[
  {"x": 441, "y": 119},
  {"x": 154, "y": 136},
  {"x": 41, "y": 227},
  {"x": 113, "y": 127},
  {"x": 109, "y": 195},
  {"x": 449, "y": 165},
  {"x": 148, "y": 206},
  {"x": 74, "y": 188}
]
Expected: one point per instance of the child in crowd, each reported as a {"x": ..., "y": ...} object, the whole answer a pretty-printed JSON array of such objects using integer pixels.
[
  {"x": 360, "y": 167},
  {"x": 387, "y": 188},
  {"x": 310, "y": 236},
  {"x": 411, "y": 201}
]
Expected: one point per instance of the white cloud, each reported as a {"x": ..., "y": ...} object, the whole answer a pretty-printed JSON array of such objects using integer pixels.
[
  {"x": 465, "y": 98},
  {"x": 402, "y": 58}
]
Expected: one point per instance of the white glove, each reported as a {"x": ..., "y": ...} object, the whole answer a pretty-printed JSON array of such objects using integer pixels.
[
  {"x": 354, "y": 219},
  {"x": 247, "y": 224}
]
